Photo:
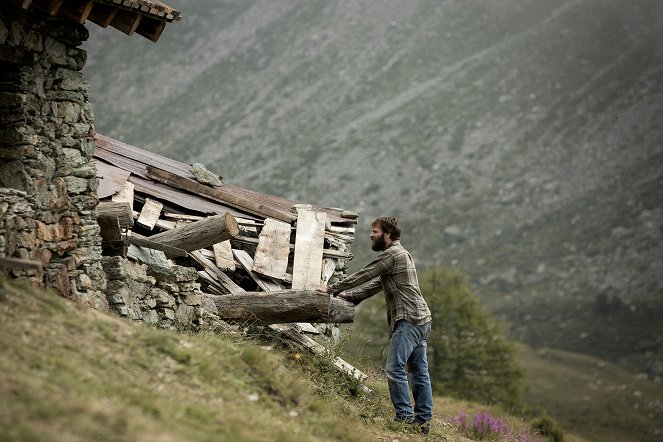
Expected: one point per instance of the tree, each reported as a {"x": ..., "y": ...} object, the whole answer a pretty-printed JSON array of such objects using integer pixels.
[{"x": 469, "y": 355}]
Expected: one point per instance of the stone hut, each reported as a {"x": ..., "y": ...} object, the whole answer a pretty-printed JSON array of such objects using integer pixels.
[{"x": 48, "y": 182}]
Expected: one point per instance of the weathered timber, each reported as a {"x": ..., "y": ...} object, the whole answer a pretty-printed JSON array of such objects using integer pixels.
[
  {"x": 125, "y": 194},
  {"x": 200, "y": 234},
  {"x": 271, "y": 257},
  {"x": 224, "y": 280},
  {"x": 246, "y": 262},
  {"x": 139, "y": 240},
  {"x": 314, "y": 347},
  {"x": 217, "y": 194},
  {"x": 265, "y": 308},
  {"x": 109, "y": 228},
  {"x": 121, "y": 211},
  {"x": 327, "y": 253},
  {"x": 150, "y": 212},
  {"x": 223, "y": 256},
  {"x": 309, "y": 243}
]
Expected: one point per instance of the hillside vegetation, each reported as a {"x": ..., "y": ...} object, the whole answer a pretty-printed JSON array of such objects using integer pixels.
[
  {"x": 519, "y": 140},
  {"x": 70, "y": 373}
]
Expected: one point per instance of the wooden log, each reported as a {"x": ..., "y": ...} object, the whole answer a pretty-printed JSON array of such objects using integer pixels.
[
  {"x": 121, "y": 211},
  {"x": 309, "y": 243},
  {"x": 200, "y": 234},
  {"x": 265, "y": 308},
  {"x": 150, "y": 213},
  {"x": 139, "y": 240}
]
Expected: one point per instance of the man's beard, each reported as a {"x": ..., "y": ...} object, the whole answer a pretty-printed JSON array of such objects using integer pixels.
[{"x": 379, "y": 244}]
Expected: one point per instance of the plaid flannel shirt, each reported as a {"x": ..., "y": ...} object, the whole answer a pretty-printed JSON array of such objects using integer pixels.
[{"x": 392, "y": 272}]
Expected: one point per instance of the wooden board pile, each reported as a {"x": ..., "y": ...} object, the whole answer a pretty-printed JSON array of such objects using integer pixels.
[{"x": 259, "y": 257}]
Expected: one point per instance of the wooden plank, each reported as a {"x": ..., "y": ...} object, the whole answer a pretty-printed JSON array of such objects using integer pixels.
[
  {"x": 224, "y": 280},
  {"x": 271, "y": 257},
  {"x": 150, "y": 213},
  {"x": 328, "y": 267},
  {"x": 318, "y": 349},
  {"x": 217, "y": 194},
  {"x": 138, "y": 158},
  {"x": 161, "y": 223},
  {"x": 223, "y": 256},
  {"x": 185, "y": 217},
  {"x": 327, "y": 253},
  {"x": 247, "y": 263},
  {"x": 125, "y": 194},
  {"x": 309, "y": 242},
  {"x": 182, "y": 199},
  {"x": 139, "y": 240},
  {"x": 111, "y": 178}
]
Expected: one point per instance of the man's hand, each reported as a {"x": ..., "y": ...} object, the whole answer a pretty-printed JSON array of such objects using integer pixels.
[{"x": 336, "y": 295}]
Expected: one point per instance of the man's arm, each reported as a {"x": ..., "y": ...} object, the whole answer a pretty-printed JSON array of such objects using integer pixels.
[
  {"x": 364, "y": 292},
  {"x": 374, "y": 269}
]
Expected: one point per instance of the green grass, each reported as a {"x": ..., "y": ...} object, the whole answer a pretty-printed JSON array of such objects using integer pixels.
[
  {"x": 596, "y": 399},
  {"x": 70, "y": 373}
]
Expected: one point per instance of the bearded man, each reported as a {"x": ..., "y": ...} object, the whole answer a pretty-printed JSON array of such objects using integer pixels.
[{"x": 408, "y": 317}]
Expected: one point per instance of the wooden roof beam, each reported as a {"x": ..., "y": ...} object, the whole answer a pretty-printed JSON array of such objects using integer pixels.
[
  {"x": 102, "y": 14},
  {"x": 126, "y": 21},
  {"x": 77, "y": 10},
  {"x": 151, "y": 28}
]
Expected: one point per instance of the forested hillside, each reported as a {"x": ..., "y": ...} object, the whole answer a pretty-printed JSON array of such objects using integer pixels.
[{"x": 519, "y": 140}]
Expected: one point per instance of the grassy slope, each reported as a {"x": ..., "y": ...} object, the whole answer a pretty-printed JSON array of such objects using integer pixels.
[
  {"x": 597, "y": 399},
  {"x": 70, "y": 373}
]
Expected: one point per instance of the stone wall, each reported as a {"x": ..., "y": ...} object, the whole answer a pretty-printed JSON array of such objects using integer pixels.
[
  {"x": 46, "y": 145},
  {"x": 164, "y": 294}
]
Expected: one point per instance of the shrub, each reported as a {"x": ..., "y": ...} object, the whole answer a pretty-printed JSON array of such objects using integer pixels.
[
  {"x": 550, "y": 428},
  {"x": 470, "y": 356}
]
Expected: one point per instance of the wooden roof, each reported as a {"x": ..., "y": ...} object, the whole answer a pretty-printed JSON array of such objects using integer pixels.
[
  {"x": 144, "y": 17},
  {"x": 172, "y": 183}
]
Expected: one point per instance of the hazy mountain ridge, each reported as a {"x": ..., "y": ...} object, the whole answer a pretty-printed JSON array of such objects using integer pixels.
[{"x": 519, "y": 140}]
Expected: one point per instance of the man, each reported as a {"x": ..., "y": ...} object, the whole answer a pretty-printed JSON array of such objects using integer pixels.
[{"x": 408, "y": 316}]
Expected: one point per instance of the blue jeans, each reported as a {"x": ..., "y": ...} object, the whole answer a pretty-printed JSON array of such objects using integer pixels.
[{"x": 407, "y": 347}]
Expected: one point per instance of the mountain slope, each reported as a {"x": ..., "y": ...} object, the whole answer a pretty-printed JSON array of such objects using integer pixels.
[{"x": 519, "y": 140}]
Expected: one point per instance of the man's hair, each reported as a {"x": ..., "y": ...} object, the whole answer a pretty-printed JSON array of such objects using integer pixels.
[{"x": 390, "y": 225}]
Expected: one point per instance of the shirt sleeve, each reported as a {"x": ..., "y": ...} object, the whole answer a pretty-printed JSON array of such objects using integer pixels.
[
  {"x": 374, "y": 269},
  {"x": 364, "y": 292}
]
